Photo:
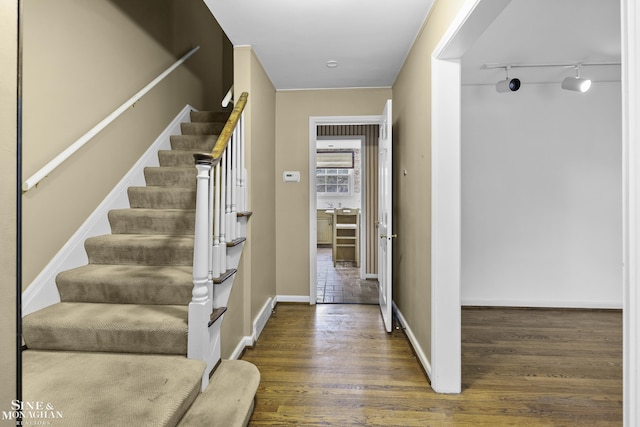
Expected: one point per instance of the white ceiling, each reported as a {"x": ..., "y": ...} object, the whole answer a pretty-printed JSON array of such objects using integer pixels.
[
  {"x": 370, "y": 39},
  {"x": 294, "y": 39}
]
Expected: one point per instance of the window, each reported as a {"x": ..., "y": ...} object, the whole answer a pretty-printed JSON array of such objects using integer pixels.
[{"x": 333, "y": 182}]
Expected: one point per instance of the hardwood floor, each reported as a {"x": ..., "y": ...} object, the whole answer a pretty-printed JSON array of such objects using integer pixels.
[{"x": 334, "y": 365}]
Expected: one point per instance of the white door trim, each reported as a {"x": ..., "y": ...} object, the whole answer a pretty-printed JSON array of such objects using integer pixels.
[
  {"x": 314, "y": 122},
  {"x": 446, "y": 363},
  {"x": 630, "y": 38},
  {"x": 474, "y": 17}
]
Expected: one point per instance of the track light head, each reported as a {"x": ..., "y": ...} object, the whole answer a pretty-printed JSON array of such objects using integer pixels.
[
  {"x": 576, "y": 83},
  {"x": 508, "y": 85}
]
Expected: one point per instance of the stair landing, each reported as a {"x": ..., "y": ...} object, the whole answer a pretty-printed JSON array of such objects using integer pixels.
[
  {"x": 229, "y": 398},
  {"x": 107, "y": 389}
]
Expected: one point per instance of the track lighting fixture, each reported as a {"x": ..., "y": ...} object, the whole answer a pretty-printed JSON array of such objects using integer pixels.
[
  {"x": 576, "y": 83},
  {"x": 508, "y": 85}
]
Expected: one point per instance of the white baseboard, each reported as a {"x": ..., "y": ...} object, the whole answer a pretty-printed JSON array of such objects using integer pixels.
[
  {"x": 258, "y": 326},
  {"x": 263, "y": 317},
  {"x": 477, "y": 302},
  {"x": 292, "y": 298},
  {"x": 244, "y": 343},
  {"x": 42, "y": 292},
  {"x": 422, "y": 358},
  {"x": 371, "y": 276}
]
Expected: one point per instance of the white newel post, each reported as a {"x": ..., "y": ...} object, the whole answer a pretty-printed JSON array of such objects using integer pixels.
[{"x": 200, "y": 307}]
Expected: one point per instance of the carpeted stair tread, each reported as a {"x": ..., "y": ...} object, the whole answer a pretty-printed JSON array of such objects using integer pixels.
[
  {"x": 228, "y": 399},
  {"x": 193, "y": 142},
  {"x": 103, "y": 389},
  {"x": 171, "y": 176},
  {"x": 127, "y": 284},
  {"x": 140, "y": 249},
  {"x": 178, "y": 157},
  {"x": 209, "y": 116},
  {"x": 201, "y": 128},
  {"x": 125, "y": 328},
  {"x": 162, "y": 197},
  {"x": 152, "y": 221}
]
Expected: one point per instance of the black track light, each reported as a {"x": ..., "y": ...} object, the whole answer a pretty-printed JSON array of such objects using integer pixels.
[{"x": 508, "y": 84}]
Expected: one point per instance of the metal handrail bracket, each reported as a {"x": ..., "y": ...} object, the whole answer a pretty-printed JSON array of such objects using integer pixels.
[{"x": 228, "y": 98}]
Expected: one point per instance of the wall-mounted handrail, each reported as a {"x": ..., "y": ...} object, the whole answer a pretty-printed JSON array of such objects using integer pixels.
[
  {"x": 229, "y": 127},
  {"x": 228, "y": 98},
  {"x": 34, "y": 179}
]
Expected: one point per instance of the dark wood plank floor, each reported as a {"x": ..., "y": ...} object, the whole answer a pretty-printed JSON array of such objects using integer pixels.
[{"x": 334, "y": 365}]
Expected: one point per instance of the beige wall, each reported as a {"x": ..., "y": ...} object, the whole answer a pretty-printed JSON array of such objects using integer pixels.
[
  {"x": 412, "y": 192},
  {"x": 256, "y": 281},
  {"x": 8, "y": 185},
  {"x": 261, "y": 161},
  {"x": 293, "y": 109},
  {"x": 193, "y": 24},
  {"x": 78, "y": 71},
  {"x": 179, "y": 25}
]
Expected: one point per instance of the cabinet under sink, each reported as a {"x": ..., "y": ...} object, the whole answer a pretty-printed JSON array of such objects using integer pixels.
[{"x": 324, "y": 227}]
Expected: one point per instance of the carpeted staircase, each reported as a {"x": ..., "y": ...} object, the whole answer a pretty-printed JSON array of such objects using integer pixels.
[{"x": 113, "y": 351}]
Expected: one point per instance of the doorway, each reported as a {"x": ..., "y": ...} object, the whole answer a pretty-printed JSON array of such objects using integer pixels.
[
  {"x": 340, "y": 197},
  {"x": 345, "y": 272}
]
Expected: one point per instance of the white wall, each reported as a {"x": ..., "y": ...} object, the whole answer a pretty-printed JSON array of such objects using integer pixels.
[{"x": 541, "y": 196}]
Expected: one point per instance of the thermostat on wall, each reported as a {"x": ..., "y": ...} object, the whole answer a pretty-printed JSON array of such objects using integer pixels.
[{"x": 291, "y": 176}]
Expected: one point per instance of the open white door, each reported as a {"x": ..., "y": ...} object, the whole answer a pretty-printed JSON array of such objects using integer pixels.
[{"x": 385, "y": 229}]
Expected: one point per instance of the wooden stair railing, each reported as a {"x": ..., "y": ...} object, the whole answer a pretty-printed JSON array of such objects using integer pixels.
[{"x": 220, "y": 195}]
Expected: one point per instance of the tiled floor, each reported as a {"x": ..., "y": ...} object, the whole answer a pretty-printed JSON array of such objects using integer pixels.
[{"x": 342, "y": 284}]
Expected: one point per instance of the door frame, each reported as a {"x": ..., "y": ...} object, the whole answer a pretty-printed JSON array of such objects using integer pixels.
[
  {"x": 630, "y": 39},
  {"x": 314, "y": 122},
  {"x": 474, "y": 17}
]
